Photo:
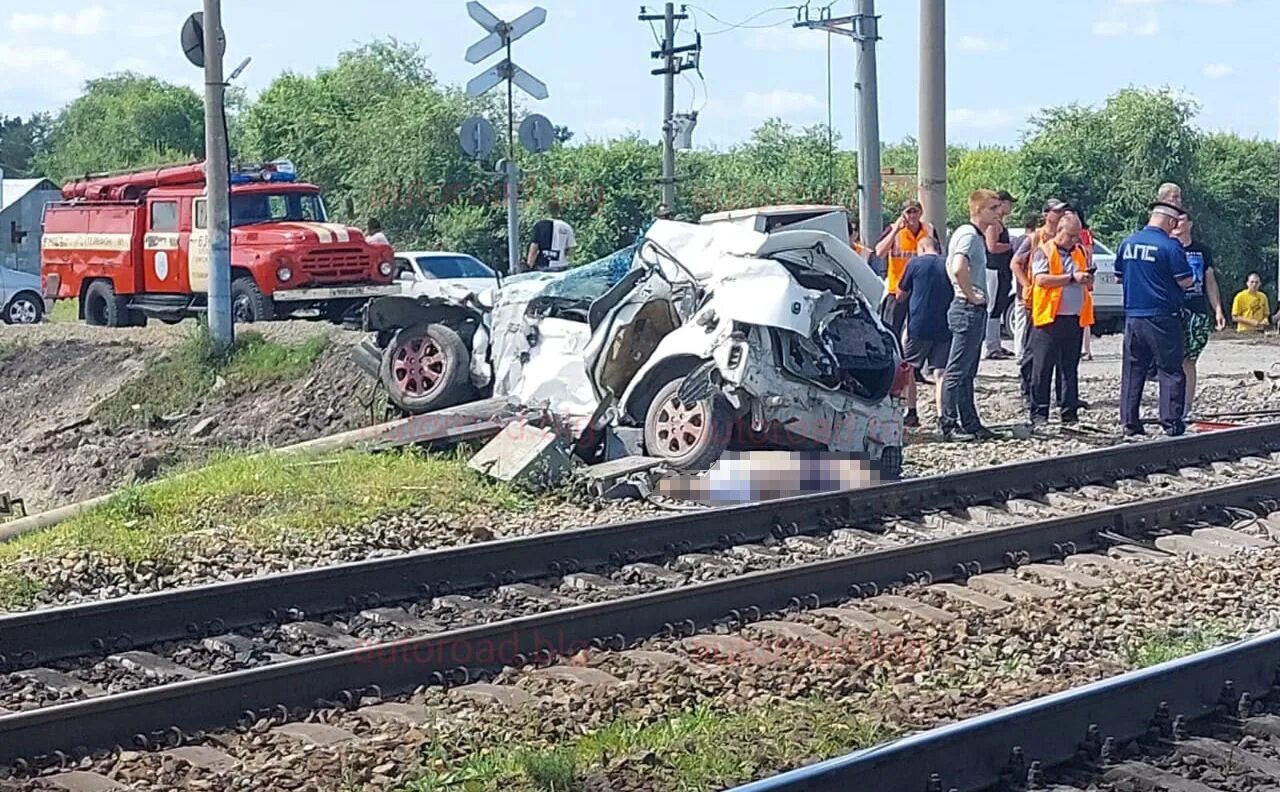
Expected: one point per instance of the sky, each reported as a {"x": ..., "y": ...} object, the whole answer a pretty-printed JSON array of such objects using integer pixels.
[{"x": 1005, "y": 58}]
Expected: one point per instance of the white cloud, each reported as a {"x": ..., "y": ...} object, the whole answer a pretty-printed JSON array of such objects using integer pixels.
[
  {"x": 986, "y": 118},
  {"x": 1116, "y": 24},
  {"x": 39, "y": 59},
  {"x": 786, "y": 39},
  {"x": 1215, "y": 71},
  {"x": 981, "y": 44},
  {"x": 85, "y": 22}
]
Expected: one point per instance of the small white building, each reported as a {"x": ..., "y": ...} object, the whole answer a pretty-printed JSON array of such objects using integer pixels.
[{"x": 22, "y": 203}]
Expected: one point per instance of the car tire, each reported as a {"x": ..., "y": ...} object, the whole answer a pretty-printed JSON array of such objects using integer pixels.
[
  {"x": 426, "y": 368},
  {"x": 890, "y": 465},
  {"x": 24, "y": 309},
  {"x": 104, "y": 308},
  {"x": 248, "y": 303},
  {"x": 687, "y": 437}
]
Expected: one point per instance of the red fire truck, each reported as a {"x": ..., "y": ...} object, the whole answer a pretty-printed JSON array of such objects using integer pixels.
[{"x": 136, "y": 244}]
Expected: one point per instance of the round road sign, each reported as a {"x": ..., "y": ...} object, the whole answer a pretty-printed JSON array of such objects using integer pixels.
[
  {"x": 193, "y": 40},
  {"x": 537, "y": 134},
  {"x": 477, "y": 137}
]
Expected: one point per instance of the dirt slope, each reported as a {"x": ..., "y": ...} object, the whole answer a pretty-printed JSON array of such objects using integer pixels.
[{"x": 52, "y": 452}]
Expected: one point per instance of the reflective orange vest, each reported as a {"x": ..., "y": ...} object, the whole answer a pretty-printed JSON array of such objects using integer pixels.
[
  {"x": 1045, "y": 300},
  {"x": 903, "y": 249}
]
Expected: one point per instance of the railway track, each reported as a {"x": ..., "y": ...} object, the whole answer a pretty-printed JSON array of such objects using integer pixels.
[
  {"x": 1205, "y": 723},
  {"x": 119, "y": 673}
]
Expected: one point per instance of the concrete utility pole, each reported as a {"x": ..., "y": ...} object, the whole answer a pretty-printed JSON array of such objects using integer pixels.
[
  {"x": 933, "y": 113},
  {"x": 870, "y": 202},
  {"x": 217, "y": 175},
  {"x": 863, "y": 28},
  {"x": 672, "y": 66}
]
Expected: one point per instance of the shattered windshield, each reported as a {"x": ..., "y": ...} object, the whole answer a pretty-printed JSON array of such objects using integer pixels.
[{"x": 590, "y": 281}]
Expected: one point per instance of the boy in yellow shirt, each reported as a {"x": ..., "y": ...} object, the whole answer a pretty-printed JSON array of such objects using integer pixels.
[{"x": 1250, "y": 308}]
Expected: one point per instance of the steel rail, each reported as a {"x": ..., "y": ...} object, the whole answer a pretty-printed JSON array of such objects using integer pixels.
[
  {"x": 51, "y": 634},
  {"x": 986, "y": 751},
  {"x": 148, "y": 716}
]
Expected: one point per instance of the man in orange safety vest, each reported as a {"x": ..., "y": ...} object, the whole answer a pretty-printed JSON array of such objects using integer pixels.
[
  {"x": 1061, "y": 312},
  {"x": 897, "y": 245}
]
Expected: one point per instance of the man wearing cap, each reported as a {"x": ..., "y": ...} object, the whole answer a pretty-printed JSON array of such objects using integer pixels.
[
  {"x": 999, "y": 278},
  {"x": 897, "y": 245},
  {"x": 1153, "y": 271},
  {"x": 1054, "y": 208}
]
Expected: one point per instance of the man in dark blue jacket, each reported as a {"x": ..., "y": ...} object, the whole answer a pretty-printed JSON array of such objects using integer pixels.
[{"x": 1154, "y": 273}]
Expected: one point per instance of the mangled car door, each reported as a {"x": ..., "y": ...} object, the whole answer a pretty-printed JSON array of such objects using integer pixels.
[{"x": 628, "y": 323}]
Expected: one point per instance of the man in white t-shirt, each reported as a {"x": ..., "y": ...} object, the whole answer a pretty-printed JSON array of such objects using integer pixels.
[
  {"x": 375, "y": 235},
  {"x": 552, "y": 246}
]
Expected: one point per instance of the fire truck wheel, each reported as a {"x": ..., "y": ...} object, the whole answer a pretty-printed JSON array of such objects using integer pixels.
[
  {"x": 426, "y": 368},
  {"x": 103, "y": 308},
  {"x": 248, "y": 303}
]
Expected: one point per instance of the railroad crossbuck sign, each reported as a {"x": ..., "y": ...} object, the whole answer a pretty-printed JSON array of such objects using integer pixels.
[{"x": 501, "y": 35}]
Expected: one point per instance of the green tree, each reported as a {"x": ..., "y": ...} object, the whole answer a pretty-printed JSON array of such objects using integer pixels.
[
  {"x": 1233, "y": 201},
  {"x": 124, "y": 121},
  {"x": 979, "y": 169},
  {"x": 1110, "y": 160},
  {"x": 21, "y": 142}
]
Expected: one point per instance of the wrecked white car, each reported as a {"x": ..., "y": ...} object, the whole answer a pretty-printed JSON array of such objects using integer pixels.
[{"x": 697, "y": 339}]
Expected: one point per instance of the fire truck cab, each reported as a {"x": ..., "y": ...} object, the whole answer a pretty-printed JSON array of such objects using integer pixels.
[{"x": 136, "y": 244}]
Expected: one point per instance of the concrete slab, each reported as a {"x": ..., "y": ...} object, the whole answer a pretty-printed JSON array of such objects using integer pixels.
[
  {"x": 80, "y": 781},
  {"x": 579, "y": 676},
  {"x": 855, "y": 619},
  {"x": 525, "y": 456},
  {"x": 396, "y": 713},
  {"x": 909, "y": 607},
  {"x": 401, "y": 618},
  {"x": 501, "y": 695},
  {"x": 208, "y": 759},
  {"x": 1065, "y": 575},
  {"x": 60, "y": 682},
  {"x": 153, "y": 666},
  {"x": 656, "y": 574},
  {"x": 1191, "y": 547},
  {"x": 729, "y": 647},
  {"x": 1009, "y": 587},
  {"x": 793, "y": 631},
  {"x": 1232, "y": 539},
  {"x": 319, "y": 734},
  {"x": 323, "y": 633},
  {"x": 972, "y": 597},
  {"x": 230, "y": 645}
]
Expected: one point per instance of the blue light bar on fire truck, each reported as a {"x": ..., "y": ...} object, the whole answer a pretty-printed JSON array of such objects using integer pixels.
[{"x": 278, "y": 171}]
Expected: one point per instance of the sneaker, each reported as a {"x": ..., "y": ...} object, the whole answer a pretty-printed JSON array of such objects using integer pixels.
[
  {"x": 1039, "y": 422},
  {"x": 981, "y": 433},
  {"x": 1000, "y": 354},
  {"x": 946, "y": 431},
  {"x": 911, "y": 419},
  {"x": 1130, "y": 431}
]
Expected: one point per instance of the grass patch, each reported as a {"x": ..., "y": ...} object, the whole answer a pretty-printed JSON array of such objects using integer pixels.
[
  {"x": 699, "y": 749},
  {"x": 1161, "y": 647},
  {"x": 65, "y": 312},
  {"x": 262, "y": 500},
  {"x": 181, "y": 378}
]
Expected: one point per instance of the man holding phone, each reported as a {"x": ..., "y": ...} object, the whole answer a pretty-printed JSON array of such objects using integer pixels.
[
  {"x": 897, "y": 245},
  {"x": 1062, "y": 276}
]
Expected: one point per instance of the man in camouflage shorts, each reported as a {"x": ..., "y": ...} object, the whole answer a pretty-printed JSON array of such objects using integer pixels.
[{"x": 1197, "y": 322}]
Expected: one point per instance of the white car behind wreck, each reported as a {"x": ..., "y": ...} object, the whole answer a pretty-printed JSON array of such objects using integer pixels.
[{"x": 699, "y": 337}]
